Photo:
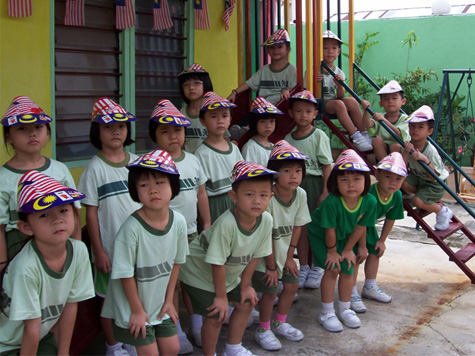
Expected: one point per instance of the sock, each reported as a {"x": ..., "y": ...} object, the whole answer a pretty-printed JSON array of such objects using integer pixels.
[
  {"x": 356, "y": 135},
  {"x": 178, "y": 327},
  {"x": 442, "y": 210},
  {"x": 354, "y": 290},
  {"x": 233, "y": 350},
  {"x": 264, "y": 325},
  {"x": 306, "y": 267},
  {"x": 327, "y": 308},
  {"x": 113, "y": 347},
  {"x": 280, "y": 319},
  {"x": 342, "y": 306},
  {"x": 369, "y": 283},
  {"x": 196, "y": 322}
]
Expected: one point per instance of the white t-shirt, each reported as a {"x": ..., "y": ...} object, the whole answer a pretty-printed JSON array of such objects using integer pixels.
[{"x": 253, "y": 151}]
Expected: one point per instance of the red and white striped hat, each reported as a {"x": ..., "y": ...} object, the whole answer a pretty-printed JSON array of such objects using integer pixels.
[
  {"x": 424, "y": 113},
  {"x": 194, "y": 68},
  {"x": 247, "y": 170},
  {"x": 166, "y": 113},
  {"x": 38, "y": 192},
  {"x": 159, "y": 160},
  {"x": 392, "y": 87},
  {"x": 212, "y": 101},
  {"x": 24, "y": 111},
  {"x": 106, "y": 111},
  {"x": 278, "y": 37},
  {"x": 393, "y": 163},
  {"x": 283, "y": 150},
  {"x": 262, "y": 106},
  {"x": 304, "y": 95},
  {"x": 349, "y": 160}
]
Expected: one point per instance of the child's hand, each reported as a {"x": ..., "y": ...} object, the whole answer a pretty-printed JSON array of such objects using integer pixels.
[
  {"x": 362, "y": 255},
  {"x": 248, "y": 293},
  {"x": 338, "y": 78},
  {"x": 319, "y": 77},
  {"x": 408, "y": 147},
  {"x": 220, "y": 305},
  {"x": 271, "y": 278},
  {"x": 349, "y": 256},
  {"x": 333, "y": 260},
  {"x": 168, "y": 308},
  {"x": 137, "y": 323},
  {"x": 418, "y": 156},
  {"x": 378, "y": 116},
  {"x": 102, "y": 263},
  {"x": 232, "y": 97},
  {"x": 291, "y": 267},
  {"x": 365, "y": 104},
  {"x": 285, "y": 94},
  {"x": 380, "y": 246}
]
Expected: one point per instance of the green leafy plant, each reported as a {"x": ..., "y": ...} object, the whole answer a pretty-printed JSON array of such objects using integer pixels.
[{"x": 411, "y": 40}]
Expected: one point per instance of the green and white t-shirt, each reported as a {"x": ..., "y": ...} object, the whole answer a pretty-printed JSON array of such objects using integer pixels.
[
  {"x": 329, "y": 86},
  {"x": 226, "y": 243},
  {"x": 105, "y": 185},
  {"x": 401, "y": 124},
  {"x": 315, "y": 145},
  {"x": 31, "y": 289},
  {"x": 148, "y": 255},
  {"x": 253, "y": 151},
  {"x": 191, "y": 177},
  {"x": 432, "y": 155},
  {"x": 285, "y": 216},
  {"x": 195, "y": 133},
  {"x": 218, "y": 166}
]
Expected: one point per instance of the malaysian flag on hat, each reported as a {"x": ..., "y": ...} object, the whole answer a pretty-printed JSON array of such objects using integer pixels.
[
  {"x": 20, "y": 8},
  {"x": 161, "y": 15},
  {"x": 38, "y": 192},
  {"x": 392, "y": 87},
  {"x": 201, "y": 14},
  {"x": 304, "y": 95},
  {"x": 262, "y": 106},
  {"x": 247, "y": 170},
  {"x": 194, "y": 68},
  {"x": 212, "y": 101},
  {"x": 229, "y": 6},
  {"x": 24, "y": 111},
  {"x": 278, "y": 37},
  {"x": 283, "y": 150},
  {"x": 393, "y": 163},
  {"x": 166, "y": 113},
  {"x": 424, "y": 113},
  {"x": 349, "y": 160},
  {"x": 159, "y": 160},
  {"x": 106, "y": 111},
  {"x": 74, "y": 13},
  {"x": 124, "y": 14}
]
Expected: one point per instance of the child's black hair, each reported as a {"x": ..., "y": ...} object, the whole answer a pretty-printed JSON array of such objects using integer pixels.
[
  {"x": 135, "y": 173},
  {"x": 266, "y": 178},
  {"x": 6, "y": 131},
  {"x": 204, "y": 77},
  {"x": 254, "y": 118},
  {"x": 276, "y": 165},
  {"x": 95, "y": 135},
  {"x": 292, "y": 102},
  {"x": 332, "y": 182}
]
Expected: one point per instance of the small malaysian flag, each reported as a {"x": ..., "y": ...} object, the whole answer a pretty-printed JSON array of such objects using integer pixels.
[
  {"x": 229, "y": 6},
  {"x": 74, "y": 13},
  {"x": 161, "y": 15},
  {"x": 124, "y": 14},
  {"x": 201, "y": 15},
  {"x": 20, "y": 8}
]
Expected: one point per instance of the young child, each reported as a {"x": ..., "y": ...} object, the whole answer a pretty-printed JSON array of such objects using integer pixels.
[
  {"x": 275, "y": 80},
  {"x": 337, "y": 225},
  {"x": 26, "y": 127},
  {"x": 167, "y": 129},
  {"x": 289, "y": 209},
  {"x": 107, "y": 202},
  {"x": 217, "y": 156},
  {"x": 425, "y": 192},
  {"x": 391, "y": 100},
  {"x": 223, "y": 259},
  {"x": 194, "y": 82},
  {"x": 315, "y": 144},
  {"x": 262, "y": 124},
  {"x": 347, "y": 109},
  {"x": 49, "y": 276},
  {"x": 391, "y": 172},
  {"x": 148, "y": 249}
]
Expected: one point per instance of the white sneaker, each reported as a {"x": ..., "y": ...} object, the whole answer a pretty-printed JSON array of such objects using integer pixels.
[
  {"x": 330, "y": 322},
  {"x": 314, "y": 278},
  {"x": 376, "y": 293},
  {"x": 230, "y": 311},
  {"x": 255, "y": 316},
  {"x": 196, "y": 334},
  {"x": 303, "y": 275},
  {"x": 362, "y": 144},
  {"x": 443, "y": 220},
  {"x": 349, "y": 318},
  {"x": 118, "y": 352},
  {"x": 242, "y": 352},
  {"x": 131, "y": 349},
  {"x": 288, "y": 331},
  {"x": 185, "y": 345},
  {"x": 357, "y": 304},
  {"x": 267, "y": 340}
]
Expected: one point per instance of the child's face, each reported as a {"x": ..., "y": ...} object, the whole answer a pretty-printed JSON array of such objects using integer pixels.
[
  {"x": 331, "y": 50},
  {"x": 251, "y": 198},
  {"x": 291, "y": 177},
  {"x": 303, "y": 112},
  {"x": 193, "y": 89},
  {"x": 113, "y": 135},
  {"x": 419, "y": 131},
  {"x": 154, "y": 191},
  {"x": 388, "y": 182},
  {"x": 265, "y": 127},
  {"x": 392, "y": 103},
  {"x": 170, "y": 138},
  {"x": 217, "y": 121},
  {"x": 351, "y": 185},
  {"x": 279, "y": 51},
  {"x": 29, "y": 138}
]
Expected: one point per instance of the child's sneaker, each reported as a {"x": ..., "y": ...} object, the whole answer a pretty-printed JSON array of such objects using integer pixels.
[
  {"x": 443, "y": 219},
  {"x": 255, "y": 316},
  {"x": 288, "y": 331},
  {"x": 349, "y": 318},
  {"x": 117, "y": 352},
  {"x": 196, "y": 334},
  {"x": 357, "y": 304},
  {"x": 131, "y": 349},
  {"x": 242, "y": 352},
  {"x": 185, "y": 345},
  {"x": 314, "y": 277},
  {"x": 267, "y": 340},
  {"x": 375, "y": 293},
  {"x": 330, "y": 322},
  {"x": 303, "y": 275},
  {"x": 362, "y": 144}
]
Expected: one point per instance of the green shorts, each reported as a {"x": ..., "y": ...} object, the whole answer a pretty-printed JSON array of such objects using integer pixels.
[
  {"x": 313, "y": 186},
  {"x": 429, "y": 192},
  {"x": 370, "y": 248},
  {"x": 101, "y": 282},
  {"x": 260, "y": 286},
  {"x": 166, "y": 329},
  {"x": 47, "y": 346},
  {"x": 319, "y": 251},
  {"x": 218, "y": 204},
  {"x": 202, "y": 299}
]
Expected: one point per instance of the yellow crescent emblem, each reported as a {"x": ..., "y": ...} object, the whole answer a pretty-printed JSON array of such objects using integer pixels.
[
  {"x": 120, "y": 117},
  {"x": 166, "y": 119},
  {"x": 255, "y": 173},
  {"x": 283, "y": 156},
  {"x": 43, "y": 203},
  {"x": 27, "y": 119},
  {"x": 344, "y": 166},
  {"x": 271, "y": 110},
  {"x": 214, "y": 106},
  {"x": 149, "y": 163}
]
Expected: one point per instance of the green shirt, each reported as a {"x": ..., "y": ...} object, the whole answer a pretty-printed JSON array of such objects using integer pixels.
[{"x": 379, "y": 130}]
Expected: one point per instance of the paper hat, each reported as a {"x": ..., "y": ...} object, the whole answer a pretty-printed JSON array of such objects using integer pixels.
[
  {"x": 247, "y": 170},
  {"x": 212, "y": 101},
  {"x": 330, "y": 35},
  {"x": 283, "y": 150},
  {"x": 106, "y": 111},
  {"x": 24, "y": 111},
  {"x": 263, "y": 106},
  {"x": 278, "y": 37},
  {"x": 159, "y": 160},
  {"x": 166, "y": 113},
  {"x": 39, "y": 192},
  {"x": 349, "y": 160},
  {"x": 393, "y": 163},
  {"x": 304, "y": 95},
  {"x": 194, "y": 68},
  {"x": 392, "y": 87},
  {"x": 424, "y": 113}
]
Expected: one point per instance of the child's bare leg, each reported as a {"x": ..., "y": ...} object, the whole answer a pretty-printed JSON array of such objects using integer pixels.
[
  {"x": 147, "y": 350},
  {"x": 106, "y": 325},
  {"x": 406, "y": 187},
  {"x": 355, "y": 273},
  {"x": 209, "y": 336},
  {"x": 328, "y": 285},
  {"x": 265, "y": 306},
  {"x": 286, "y": 298},
  {"x": 238, "y": 322},
  {"x": 175, "y": 296},
  {"x": 338, "y": 108},
  {"x": 303, "y": 247},
  {"x": 168, "y": 345},
  {"x": 433, "y": 208},
  {"x": 371, "y": 267},
  {"x": 379, "y": 148},
  {"x": 345, "y": 285},
  {"x": 355, "y": 113},
  {"x": 395, "y": 147}
]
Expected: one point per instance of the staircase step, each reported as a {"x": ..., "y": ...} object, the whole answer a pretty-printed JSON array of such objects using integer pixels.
[
  {"x": 453, "y": 227},
  {"x": 465, "y": 253}
]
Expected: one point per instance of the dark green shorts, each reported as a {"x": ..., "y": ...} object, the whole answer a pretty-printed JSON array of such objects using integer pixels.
[
  {"x": 428, "y": 192},
  {"x": 101, "y": 282},
  {"x": 313, "y": 186},
  {"x": 218, "y": 204},
  {"x": 319, "y": 251},
  {"x": 166, "y": 329},
  {"x": 46, "y": 347},
  {"x": 15, "y": 241},
  {"x": 260, "y": 286}
]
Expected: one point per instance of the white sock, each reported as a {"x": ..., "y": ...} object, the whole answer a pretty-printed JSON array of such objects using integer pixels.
[
  {"x": 178, "y": 327},
  {"x": 354, "y": 290},
  {"x": 305, "y": 267},
  {"x": 233, "y": 350},
  {"x": 113, "y": 347},
  {"x": 356, "y": 135},
  {"x": 369, "y": 283},
  {"x": 443, "y": 210},
  {"x": 327, "y": 308},
  {"x": 342, "y": 306},
  {"x": 196, "y": 321}
]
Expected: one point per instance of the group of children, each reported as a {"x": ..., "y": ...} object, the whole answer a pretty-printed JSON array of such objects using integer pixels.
[{"x": 202, "y": 219}]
